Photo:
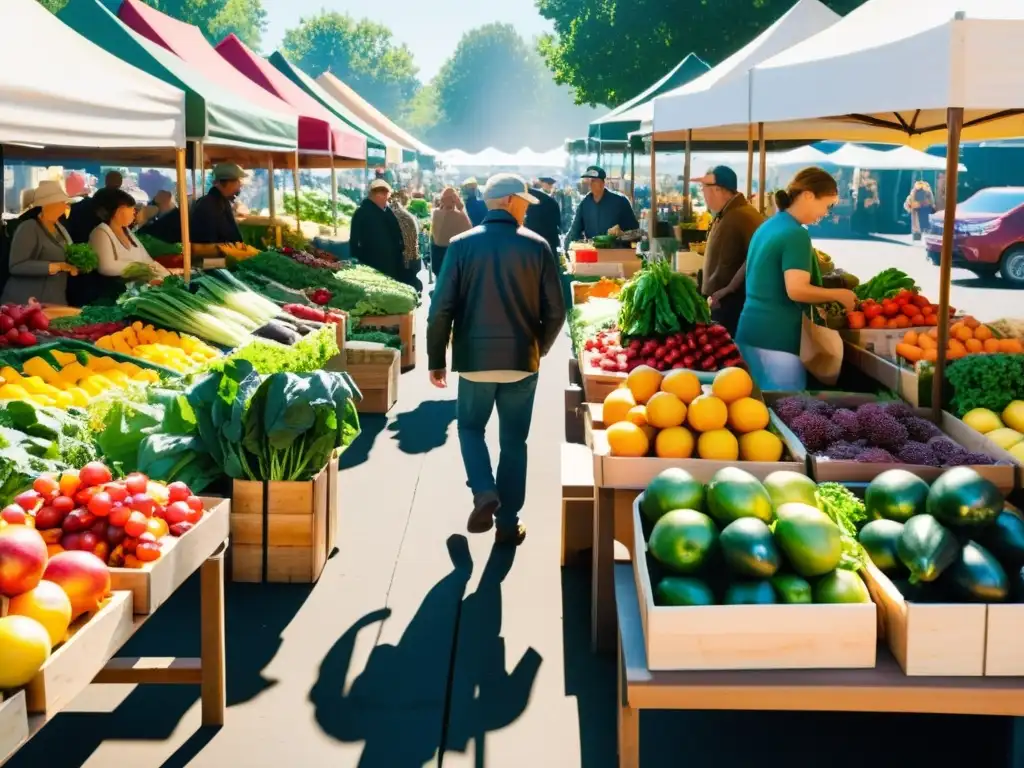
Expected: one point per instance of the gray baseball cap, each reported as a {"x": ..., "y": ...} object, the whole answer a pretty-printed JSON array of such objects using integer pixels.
[{"x": 502, "y": 185}]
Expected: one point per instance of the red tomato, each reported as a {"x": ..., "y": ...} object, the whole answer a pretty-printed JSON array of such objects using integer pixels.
[
  {"x": 119, "y": 515},
  {"x": 100, "y": 504},
  {"x": 117, "y": 491},
  {"x": 63, "y": 504},
  {"x": 136, "y": 525},
  {"x": 177, "y": 512},
  {"x": 69, "y": 482},
  {"x": 178, "y": 491},
  {"x": 46, "y": 486},
  {"x": 13, "y": 514},
  {"x": 195, "y": 503},
  {"x": 29, "y": 500},
  {"x": 136, "y": 483},
  {"x": 95, "y": 473},
  {"x": 147, "y": 551},
  {"x": 143, "y": 503}
]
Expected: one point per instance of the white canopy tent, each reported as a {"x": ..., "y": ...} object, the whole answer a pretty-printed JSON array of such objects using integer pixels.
[
  {"x": 85, "y": 99},
  {"x": 800, "y": 156},
  {"x": 721, "y": 97},
  {"x": 899, "y": 159},
  {"x": 894, "y": 67},
  {"x": 494, "y": 158}
]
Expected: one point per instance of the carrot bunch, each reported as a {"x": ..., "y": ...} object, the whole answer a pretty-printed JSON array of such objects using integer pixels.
[
  {"x": 966, "y": 337},
  {"x": 906, "y": 309}
]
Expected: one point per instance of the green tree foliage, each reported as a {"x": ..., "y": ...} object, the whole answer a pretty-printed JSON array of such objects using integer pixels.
[
  {"x": 611, "y": 50},
  {"x": 494, "y": 90},
  {"x": 216, "y": 18},
  {"x": 361, "y": 53}
]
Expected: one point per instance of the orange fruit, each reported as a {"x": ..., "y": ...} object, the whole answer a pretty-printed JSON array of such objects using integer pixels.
[
  {"x": 731, "y": 384},
  {"x": 683, "y": 384},
  {"x": 617, "y": 405},
  {"x": 718, "y": 445},
  {"x": 643, "y": 381},
  {"x": 665, "y": 410},
  {"x": 991, "y": 345},
  {"x": 748, "y": 415},
  {"x": 638, "y": 415},
  {"x": 49, "y": 605},
  {"x": 708, "y": 413},
  {"x": 761, "y": 445},
  {"x": 982, "y": 332},
  {"x": 627, "y": 439},
  {"x": 674, "y": 443}
]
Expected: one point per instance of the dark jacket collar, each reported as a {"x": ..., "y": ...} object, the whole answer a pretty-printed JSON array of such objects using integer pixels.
[{"x": 502, "y": 217}]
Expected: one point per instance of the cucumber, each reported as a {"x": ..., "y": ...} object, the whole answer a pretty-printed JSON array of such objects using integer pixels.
[
  {"x": 977, "y": 577},
  {"x": 1005, "y": 539},
  {"x": 749, "y": 549},
  {"x": 792, "y": 589},
  {"x": 880, "y": 539},
  {"x": 926, "y": 548},
  {"x": 681, "y": 591},
  {"x": 750, "y": 593}
]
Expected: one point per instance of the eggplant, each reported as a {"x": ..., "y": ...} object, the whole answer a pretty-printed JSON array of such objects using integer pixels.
[
  {"x": 977, "y": 577},
  {"x": 279, "y": 332}
]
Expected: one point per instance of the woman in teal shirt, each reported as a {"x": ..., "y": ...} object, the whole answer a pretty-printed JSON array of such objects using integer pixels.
[{"x": 779, "y": 284}]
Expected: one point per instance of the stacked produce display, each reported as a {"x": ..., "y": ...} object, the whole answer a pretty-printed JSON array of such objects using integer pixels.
[
  {"x": 672, "y": 417},
  {"x": 966, "y": 337},
  {"x": 956, "y": 541},
  {"x": 739, "y": 541}
]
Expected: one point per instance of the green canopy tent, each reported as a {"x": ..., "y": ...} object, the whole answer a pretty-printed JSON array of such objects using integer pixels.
[
  {"x": 378, "y": 148},
  {"x": 623, "y": 120},
  {"x": 228, "y": 127}
]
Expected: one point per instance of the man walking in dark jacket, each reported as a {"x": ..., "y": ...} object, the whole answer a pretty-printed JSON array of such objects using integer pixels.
[
  {"x": 545, "y": 218},
  {"x": 499, "y": 288},
  {"x": 375, "y": 238}
]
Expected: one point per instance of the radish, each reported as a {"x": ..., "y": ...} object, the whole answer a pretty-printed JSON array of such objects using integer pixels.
[
  {"x": 27, "y": 339},
  {"x": 689, "y": 360},
  {"x": 6, "y": 323}
]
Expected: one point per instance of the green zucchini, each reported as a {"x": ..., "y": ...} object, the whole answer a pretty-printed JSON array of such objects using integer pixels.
[
  {"x": 1005, "y": 539},
  {"x": 977, "y": 577},
  {"x": 926, "y": 548},
  {"x": 880, "y": 539}
]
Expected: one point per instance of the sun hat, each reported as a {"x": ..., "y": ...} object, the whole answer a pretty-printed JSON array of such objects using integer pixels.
[
  {"x": 502, "y": 185},
  {"x": 720, "y": 176},
  {"x": 378, "y": 184},
  {"x": 49, "y": 193},
  {"x": 229, "y": 172}
]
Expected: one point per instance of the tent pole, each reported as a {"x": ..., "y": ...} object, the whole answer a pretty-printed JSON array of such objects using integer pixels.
[
  {"x": 198, "y": 163},
  {"x": 272, "y": 202},
  {"x": 763, "y": 167},
  {"x": 632, "y": 175},
  {"x": 334, "y": 195},
  {"x": 652, "y": 223},
  {"x": 955, "y": 124},
  {"x": 750, "y": 160},
  {"x": 183, "y": 209},
  {"x": 295, "y": 181},
  {"x": 687, "y": 206}
]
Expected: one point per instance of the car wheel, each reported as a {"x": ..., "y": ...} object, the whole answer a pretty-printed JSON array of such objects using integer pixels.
[{"x": 1011, "y": 266}]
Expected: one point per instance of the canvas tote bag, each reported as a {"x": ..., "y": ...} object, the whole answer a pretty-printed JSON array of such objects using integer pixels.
[{"x": 821, "y": 351}]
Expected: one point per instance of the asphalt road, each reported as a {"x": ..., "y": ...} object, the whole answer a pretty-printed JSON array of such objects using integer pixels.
[{"x": 987, "y": 299}]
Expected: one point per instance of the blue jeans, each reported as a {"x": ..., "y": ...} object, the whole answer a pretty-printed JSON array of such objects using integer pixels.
[
  {"x": 515, "y": 411},
  {"x": 774, "y": 371}
]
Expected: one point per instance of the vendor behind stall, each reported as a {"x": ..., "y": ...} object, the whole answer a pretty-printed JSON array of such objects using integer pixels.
[
  {"x": 601, "y": 210},
  {"x": 212, "y": 219},
  {"x": 116, "y": 247},
  {"x": 38, "y": 260}
]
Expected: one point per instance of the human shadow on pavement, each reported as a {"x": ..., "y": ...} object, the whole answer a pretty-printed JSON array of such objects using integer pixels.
[
  {"x": 370, "y": 425},
  {"x": 424, "y": 428},
  {"x": 485, "y": 696},
  {"x": 396, "y": 704}
]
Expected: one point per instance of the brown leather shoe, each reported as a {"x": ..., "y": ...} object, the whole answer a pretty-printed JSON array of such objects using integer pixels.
[
  {"x": 511, "y": 537},
  {"x": 481, "y": 519}
]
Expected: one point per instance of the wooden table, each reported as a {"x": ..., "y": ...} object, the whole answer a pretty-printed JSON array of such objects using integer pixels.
[
  {"x": 207, "y": 671},
  {"x": 882, "y": 689}
]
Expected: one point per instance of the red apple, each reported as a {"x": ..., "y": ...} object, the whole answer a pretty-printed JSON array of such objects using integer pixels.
[{"x": 22, "y": 559}]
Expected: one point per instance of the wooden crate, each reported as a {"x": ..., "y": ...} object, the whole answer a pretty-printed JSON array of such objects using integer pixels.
[
  {"x": 635, "y": 473},
  {"x": 824, "y": 470},
  {"x": 406, "y": 325},
  {"x": 282, "y": 531},
  {"x": 92, "y": 641},
  {"x": 941, "y": 639},
  {"x": 750, "y": 636},
  {"x": 597, "y": 384},
  {"x": 577, "y": 502},
  {"x": 154, "y": 583},
  {"x": 379, "y": 384},
  {"x": 1004, "y": 653},
  {"x": 13, "y": 724}
]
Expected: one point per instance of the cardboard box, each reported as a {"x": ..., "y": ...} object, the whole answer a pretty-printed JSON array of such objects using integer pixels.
[
  {"x": 826, "y": 470},
  {"x": 716, "y": 637},
  {"x": 284, "y": 531}
]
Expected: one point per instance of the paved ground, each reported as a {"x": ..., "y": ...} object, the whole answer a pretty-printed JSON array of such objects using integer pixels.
[{"x": 412, "y": 651}]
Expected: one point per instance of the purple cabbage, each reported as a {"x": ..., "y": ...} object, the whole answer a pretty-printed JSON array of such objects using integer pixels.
[
  {"x": 921, "y": 430},
  {"x": 788, "y": 408},
  {"x": 815, "y": 431},
  {"x": 823, "y": 407},
  {"x": 882, "y": 430},
  {"x": 947, "y": 452},
  {"x": 843, "y": 451},
  {"x": 876, "y": 456},
  {"x": 914, "y": 452},
  {"x": 847, "y": 420},
  {"x": 899, "y": 410}
]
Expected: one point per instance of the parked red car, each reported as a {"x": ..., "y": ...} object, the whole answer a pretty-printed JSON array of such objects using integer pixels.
[{"x": 989, "y": 234}]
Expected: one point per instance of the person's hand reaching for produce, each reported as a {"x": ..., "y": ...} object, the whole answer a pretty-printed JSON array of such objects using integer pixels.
[
  {"x": 847, "y": 298},
  {"x": 439, "y": 378},
  {"x": 56, "y": 267}
]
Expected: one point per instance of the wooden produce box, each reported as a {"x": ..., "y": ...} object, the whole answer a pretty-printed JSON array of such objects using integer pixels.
[
  {"x": 1004, "y": 631},
  {"x": 616, "y": 255},
  {"x": 378, "y": 383},
  {"x": 597, "y": 384},
  {"x": 718, "y": 637},
  {"x": 92, "y": 641},
  {"x": 825, "y": 470},
  {"x": 629, "y": 473},
  {"x": 930, "y": 639},
  {"x": 154, "y": 583},
  {"x": 13, "y": 724},
  {"x": 880, "y": 341},
  {"x": 406, "y": 332},
  {"x": 283, "y": 532},
  {"x": 902, "y": 380}
]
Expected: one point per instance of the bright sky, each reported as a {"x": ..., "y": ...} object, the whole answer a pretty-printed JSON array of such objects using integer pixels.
[{"x": 431, "y": 28}]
